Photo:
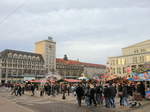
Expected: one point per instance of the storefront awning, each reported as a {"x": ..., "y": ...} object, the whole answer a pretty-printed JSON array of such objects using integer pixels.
[{"x": 72, "y": 80}]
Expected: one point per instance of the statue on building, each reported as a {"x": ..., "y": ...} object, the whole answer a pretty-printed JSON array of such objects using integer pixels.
[{"x": 65, "y": 57}]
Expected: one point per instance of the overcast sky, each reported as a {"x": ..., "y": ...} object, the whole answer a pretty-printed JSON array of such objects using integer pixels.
[{"x": 88, "y": 30}]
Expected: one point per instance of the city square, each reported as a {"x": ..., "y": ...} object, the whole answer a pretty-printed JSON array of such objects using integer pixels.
[
  {"x": 27, "y": 103},
  {"x": 74, "y": 56}
]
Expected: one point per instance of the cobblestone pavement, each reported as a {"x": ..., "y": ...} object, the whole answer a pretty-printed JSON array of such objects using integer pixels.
[{"x": 57, "y": 104}]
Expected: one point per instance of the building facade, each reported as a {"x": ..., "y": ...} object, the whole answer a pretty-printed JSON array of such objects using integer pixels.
[
  {"x": 69, "y": 68},
  {"x": 20, "y": 65},
  {"x": 16, "y": 65},
  {"x": 133, "y": 57},
  {"x": 92, "y": 70},
  {"x": 47, "y": 48},
  {"x": 77, "y": 68}
]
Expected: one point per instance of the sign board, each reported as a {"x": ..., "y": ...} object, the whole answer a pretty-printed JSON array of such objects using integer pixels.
[
  {"x": 147, "y": 94},
  {"x": 29, "y": 78},
  {"x": 141, "y": 76}
]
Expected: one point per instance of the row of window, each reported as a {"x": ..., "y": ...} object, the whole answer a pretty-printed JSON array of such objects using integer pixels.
[
  {"x": 119, "y": 70},
  {"x": 20, "y": 66},
  {"x": 20, "y": 56},
  {"x": 124, "y": 61},
  {"x": 33, "y": 64},
  {"x": 22, "y": 61},
  {"x": 70, "y": 73},
  {"x": 21, "y": 71},
  {"x": 68, "y": 67},
  {"x": 136, "y": 51}
]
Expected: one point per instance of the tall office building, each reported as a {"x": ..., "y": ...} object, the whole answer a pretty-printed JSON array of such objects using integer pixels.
[{"x": 47, "y": 48}]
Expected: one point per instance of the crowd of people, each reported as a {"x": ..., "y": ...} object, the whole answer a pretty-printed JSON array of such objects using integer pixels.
[
  {"x": 90, "y": 93},
  {"x": 107, "y": 93}
]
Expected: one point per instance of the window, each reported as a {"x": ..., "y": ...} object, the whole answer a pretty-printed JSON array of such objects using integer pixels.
[
  {"x": 142, "y": 58},
  {"x": 10, "y": 55},
  {"x": 148, "y": 58},
  {"x": 15, "y": 55},
  {"x": 134, "y": 59}
]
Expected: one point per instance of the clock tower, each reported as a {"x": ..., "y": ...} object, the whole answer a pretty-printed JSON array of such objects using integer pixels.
[{"x": 47, "y": 48}]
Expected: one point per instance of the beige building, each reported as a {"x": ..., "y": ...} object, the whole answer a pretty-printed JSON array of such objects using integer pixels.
[
  {"x": 133, "y": 56},
  {"x": 68, "y": 68},
  {"x": 92, "y": 70},
  {"x": 47, "y": 48}
]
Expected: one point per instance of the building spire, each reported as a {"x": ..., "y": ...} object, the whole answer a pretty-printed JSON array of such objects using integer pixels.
[
  {"x": 50, "y": 38},
  {"x": 65, "y": 57}
]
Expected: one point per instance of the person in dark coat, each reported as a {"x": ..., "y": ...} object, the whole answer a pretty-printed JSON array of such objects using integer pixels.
[
  {"x": 125, "y": 95},
  {"x": 79, "y": 93},
  {"x": 49, "y": 89},
  {"x": 19, "y": 90},
  {"x": 32, "y": 89},
  {"x": 14, "y": 91},
  {"x": 120, "y": 87},
  {"x": 113, "y": 92},
  {"x": 106, "y": 96},
  {"x": 92, "y": 95},
  {"x": 142, "y": 89},
  {"x": 99, "y": 94}
]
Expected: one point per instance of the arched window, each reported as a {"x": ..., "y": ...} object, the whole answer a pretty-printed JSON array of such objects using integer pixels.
[
  {"x": 33, "y": 57},
  {"x": 29, "y": 57},
  {"x": 37, "y": 58},
  {"x": 20, "y": 56},
  {"x": 25, "y": 57},
  {"x": 10, "y": 55},
  {"x": 15, "y": 55}
]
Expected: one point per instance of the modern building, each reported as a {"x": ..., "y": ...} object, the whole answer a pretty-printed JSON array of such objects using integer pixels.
[
  {"x": 47, "y": 48},
  {"x": 133, "y": 57},
  {"x": 20, "y": 65}
]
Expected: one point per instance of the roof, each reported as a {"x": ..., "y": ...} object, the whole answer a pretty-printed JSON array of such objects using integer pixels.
[
  {"x": 92, "y": 65},
  {"x": 138, "y": 44},
  {"x": 72, "y": 80},
  {"x": 130, "y": 55},
  {"x": 60, "y": 60},
  {"x": 6, "y": 51}
]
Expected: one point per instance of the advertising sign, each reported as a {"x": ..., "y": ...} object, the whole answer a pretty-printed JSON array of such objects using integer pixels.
[
  {"x": 141, "y": 76},
  {"x": 147, "y": 94}
]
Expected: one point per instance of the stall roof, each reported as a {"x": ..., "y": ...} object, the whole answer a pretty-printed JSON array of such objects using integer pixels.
[
  {"x": 41, "y": 81},
  {"x": 72, "y": 80}
]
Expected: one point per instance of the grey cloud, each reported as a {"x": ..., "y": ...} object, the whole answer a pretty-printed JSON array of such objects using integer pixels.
[{"x": 43, "y": 6}]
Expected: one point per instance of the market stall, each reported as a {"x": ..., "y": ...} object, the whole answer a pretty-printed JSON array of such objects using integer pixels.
[{"x": 144, "y": 77}]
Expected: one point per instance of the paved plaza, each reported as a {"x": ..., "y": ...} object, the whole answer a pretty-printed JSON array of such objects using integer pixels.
[{"x": 27, "y": 103}]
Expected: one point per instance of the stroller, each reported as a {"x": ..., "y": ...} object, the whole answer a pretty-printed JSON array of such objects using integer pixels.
[{"x": 135, "y": 101}]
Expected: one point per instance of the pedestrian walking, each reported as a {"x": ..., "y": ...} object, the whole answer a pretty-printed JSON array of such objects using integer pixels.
[
  {"x": 32, "y": 89},
  {"x": 18, "y": 90},
  {"x": 113, "y": 92},
  {"x": 79, "y": 93},
  {"x": 125, "y": 95},
  {"x": 92, "y": 95},
  {"x": 106, "y": 96}
]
